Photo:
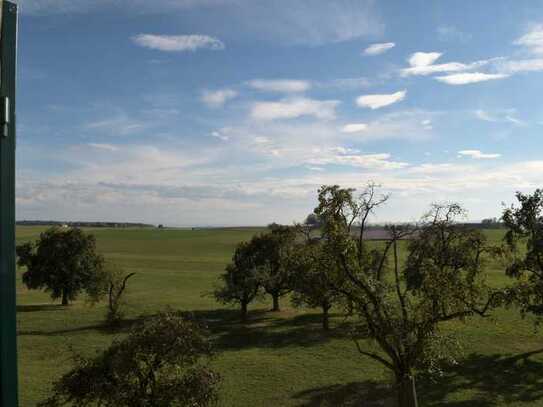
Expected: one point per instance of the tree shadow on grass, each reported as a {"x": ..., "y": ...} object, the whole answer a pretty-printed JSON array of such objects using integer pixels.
[
  {"x": 103, "y": 328},
  {"x": 367, "y": 394},
  {"x": 489, "y": 379},
  {"x": 40, "y": 307},
  {"x": 264, "y": 329},
  {"x": 493, "y": 378}
]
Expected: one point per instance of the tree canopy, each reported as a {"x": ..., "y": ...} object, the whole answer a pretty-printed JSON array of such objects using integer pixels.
[
  {"x": 524, "y": 250},
  {"x": 160, "y": 363},
  {"x": 401, "y": 309},
  {"x": 63, "y": 262}
]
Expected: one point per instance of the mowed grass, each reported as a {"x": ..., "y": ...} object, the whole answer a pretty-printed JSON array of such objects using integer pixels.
[{"x": 277, "y": 359}]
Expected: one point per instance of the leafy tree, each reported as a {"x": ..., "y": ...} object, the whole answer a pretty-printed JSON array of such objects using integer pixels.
[
  {"x": 160, "y": 363},
  {"x": 401, "y": 309},
  {"x": 272, "y": 252},
  {"x": 63, "y": 262},
  {"x": 241, "y": 281},
  {"x": 111, "y": 283},
  {"x": 524, "y": 250},
  {"x": 311, "y": 266},
  {"x": 312, "y": 220}
]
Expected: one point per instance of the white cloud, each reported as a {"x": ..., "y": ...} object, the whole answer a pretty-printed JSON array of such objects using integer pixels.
[
  {"x": 423, "y": 58},
  {"x": 120, "y": 125},
  {"x": 219, "y": 135},
  {"x": 178, "y": 43},
  {"x": 522, "y": 65},
  {"x": 477, "y": 154},
  {"x": 102, "y": 146},
  {"x": 469, "y": 77},
  {"x": 376, "y": 49},
  {"x": 218, "y": 98},
  {"x": 350, "y": 157},
  {"x": 500, "y": 116},
  {"x": 280, "y": 85},
  {"x": 377, "y": 101},
  {"x": 422, "y": 63},
  {"x": 532, "y": 40},
  {"x": 354, "y": 128},
  {"x": 293, "y": 108},
  {"x": 426, "y": 124}
]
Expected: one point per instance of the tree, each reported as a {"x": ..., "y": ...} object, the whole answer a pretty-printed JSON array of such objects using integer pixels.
[
  {"x": 311, "y": 266},
  {"x": 401, "y": 308},
  {"x": 313, "y": 221},
  {"x": 272, "y": 252},
  {"x": 110, "y": 283},
  {"x": 160, "y": 363},
  {"x": 240, "y": 282},
  {"x": 63, "y": 262},
  {"x": 523, "y": 250}
]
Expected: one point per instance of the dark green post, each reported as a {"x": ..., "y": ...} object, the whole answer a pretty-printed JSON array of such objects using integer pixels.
[{"x": 8, "y": 315}]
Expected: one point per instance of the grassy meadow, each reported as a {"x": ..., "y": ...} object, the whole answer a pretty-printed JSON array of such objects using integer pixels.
[{"x": 277, "y": 359}]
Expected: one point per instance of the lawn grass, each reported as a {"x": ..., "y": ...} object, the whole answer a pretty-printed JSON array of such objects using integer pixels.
[{"x": 277, "y": 359}]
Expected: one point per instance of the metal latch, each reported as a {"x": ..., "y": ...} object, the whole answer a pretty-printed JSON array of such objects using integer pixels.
[{"x": 4, "y": 115}]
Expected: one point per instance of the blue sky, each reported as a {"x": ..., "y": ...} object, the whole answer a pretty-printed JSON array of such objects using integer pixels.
[{"x": 234, "y": 112}]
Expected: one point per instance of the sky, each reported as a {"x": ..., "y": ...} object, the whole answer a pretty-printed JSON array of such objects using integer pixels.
[{"x": 235, "y": 112}]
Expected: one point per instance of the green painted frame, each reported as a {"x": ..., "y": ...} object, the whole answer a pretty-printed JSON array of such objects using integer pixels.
[{"x": 8, "y": 310}]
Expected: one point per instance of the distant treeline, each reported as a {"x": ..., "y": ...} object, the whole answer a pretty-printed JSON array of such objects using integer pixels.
[{"x": 84, "y": 224}]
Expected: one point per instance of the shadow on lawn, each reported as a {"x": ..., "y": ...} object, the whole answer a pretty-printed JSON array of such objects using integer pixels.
[
  {"x": 367, "y": 394},
  {"x": 124, "y": 326},
  {"x": 40, "y": 307},
  {"x": 264, "y": 329},
  {"x": 494, "y": 378}
]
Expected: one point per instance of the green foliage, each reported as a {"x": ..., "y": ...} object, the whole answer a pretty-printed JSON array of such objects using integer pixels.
[
  {"x": 160, "y": 363},
  {"x": 272, "y": 252},
  {"x": 240, "y": 282},
  {"x": 401, "y": 310},
  {"x": 523, "y": 251},
  {"x": 62, "y": 261},
  {"x": 311, "y": 267}
]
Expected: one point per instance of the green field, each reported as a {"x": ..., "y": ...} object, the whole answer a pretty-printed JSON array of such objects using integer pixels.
[{"x": 276, "y": 359}]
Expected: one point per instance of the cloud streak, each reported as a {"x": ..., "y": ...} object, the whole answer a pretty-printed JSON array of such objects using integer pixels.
[
  {"x": 280, "y": 85},
  {"x": 469, "y": 77},
  {"x": 377, "y": 49},
  {"x": 377, "y": 101},
  {"x": 178, "y": 43},
  {"x": 294, "y": 108}
]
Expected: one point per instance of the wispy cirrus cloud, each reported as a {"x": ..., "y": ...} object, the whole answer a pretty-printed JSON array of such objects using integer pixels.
[
  {"x": 422, "y": 63},
  {"x": 477, "y": 154},
  {"x": 103, "y": 146},
  {"x": 280, "y": 85},
  {"x": 354, "y": 128},
  {"x": 377, "y": 49},
  {"x": 294, "y": 107},
  {"x": 500, "y": 116},
  {"x": 217, "y": 98},
  {"x": 178, "y": 43},
  {"x": 377, "y": 101},
  {"x": 532, "y": 40},
  {"x": 469, "y": 77}
]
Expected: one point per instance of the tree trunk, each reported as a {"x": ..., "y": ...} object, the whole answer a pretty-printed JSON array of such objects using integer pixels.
[
  {"x": 407, "y": 393},
  {"x": 64, "y": 297},
  {"x": 275, "y": 302},
  {"x": 244, "y": 311},
  {"x": 325, "y": 317}
]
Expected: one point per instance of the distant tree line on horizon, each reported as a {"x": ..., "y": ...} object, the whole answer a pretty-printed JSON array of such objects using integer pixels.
[{"x": 78, "y": 224}]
